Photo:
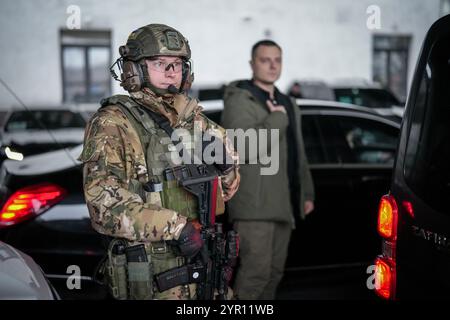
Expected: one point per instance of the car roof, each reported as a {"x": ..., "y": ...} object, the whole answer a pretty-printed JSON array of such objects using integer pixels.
[
  {"x": 216, "y": 105},
  {"x": 322, "y": 106},
  {"x": 211, "y": 105},
  {"x": 327, "y": 104}
]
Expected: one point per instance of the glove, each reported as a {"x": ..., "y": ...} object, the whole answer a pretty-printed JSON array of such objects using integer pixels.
[{"x": 190, "y": 241}]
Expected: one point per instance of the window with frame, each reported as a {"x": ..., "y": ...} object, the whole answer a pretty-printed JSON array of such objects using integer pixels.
[
  {"x": 390, "y": 63},
  {"x": 44, "y": 120},
  {"x": 359, "y": 140},
  {"x": 85, "y": 61},
  {"x": 315, "y": 150}
]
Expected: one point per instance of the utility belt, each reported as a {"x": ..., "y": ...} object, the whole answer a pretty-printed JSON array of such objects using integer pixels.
[{"x": 137, "y": 272}]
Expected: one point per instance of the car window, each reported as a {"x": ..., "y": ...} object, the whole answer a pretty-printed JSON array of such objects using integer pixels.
[
  {"x": 44, "y": 120},
  {"x": 360, "y": 140},
  {"x": 427, "y": 158},
  {"x": 210, "y": 94},
  {"x": 372, "y": 98},
  {"x": 214, "y": 115},
  {"x": 320, "y": 142},
  {"x": 316, "y": 152}
]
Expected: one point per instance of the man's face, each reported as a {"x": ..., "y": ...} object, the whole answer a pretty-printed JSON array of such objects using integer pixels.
[
  {"x": 266, "y": 64},
  {"x": 165, "y": 71}
]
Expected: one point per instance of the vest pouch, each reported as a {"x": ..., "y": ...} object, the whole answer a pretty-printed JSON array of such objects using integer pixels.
[
  {"x": 117, "y": 276},
  {"x": 140, "y": 280},
  {"x": 165, "y": 261},
  {"x": 176, "y": 198}
]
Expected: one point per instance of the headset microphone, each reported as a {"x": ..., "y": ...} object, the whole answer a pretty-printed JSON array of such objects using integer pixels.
[{"x": 172, "y": 89}]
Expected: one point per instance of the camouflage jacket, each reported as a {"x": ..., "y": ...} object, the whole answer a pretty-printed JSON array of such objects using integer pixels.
[{"x": 114, "y": 160}]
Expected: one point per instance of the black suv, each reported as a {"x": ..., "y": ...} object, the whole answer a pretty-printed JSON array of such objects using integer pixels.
[{"x": 414, "y": 218}]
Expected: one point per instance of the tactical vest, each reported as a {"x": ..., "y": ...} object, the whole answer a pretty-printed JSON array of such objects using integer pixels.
[{"x": 158, "y": 149}]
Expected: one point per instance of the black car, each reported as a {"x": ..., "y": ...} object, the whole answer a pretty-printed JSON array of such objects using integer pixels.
[
  {"x": 414, "y": 218},
  {"x": 351, "y": 151}
]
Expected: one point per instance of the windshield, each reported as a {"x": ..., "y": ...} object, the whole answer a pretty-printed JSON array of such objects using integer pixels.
[
  {"x": 372, "y": 98},
  {"x": 44, "y": 120}
]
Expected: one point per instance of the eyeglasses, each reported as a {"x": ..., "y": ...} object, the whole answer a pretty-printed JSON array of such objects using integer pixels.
[{"x": 161, "y": 66}]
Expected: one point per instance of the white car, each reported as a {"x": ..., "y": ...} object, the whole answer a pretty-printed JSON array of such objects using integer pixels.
[
  {"x": 39, "y": 130},
  {"x": 21, "y": 278}
]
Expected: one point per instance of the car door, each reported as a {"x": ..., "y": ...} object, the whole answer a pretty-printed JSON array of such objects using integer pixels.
[
  {"x": 367, "y": 154},
  {"x": 314, "y": 240},
  {"x": 351, "y": 159}
]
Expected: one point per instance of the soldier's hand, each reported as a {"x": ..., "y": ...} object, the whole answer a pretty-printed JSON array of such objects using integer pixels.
[
  {"x": 274, "y": 108},
  {"x": 190, "y": 241}
]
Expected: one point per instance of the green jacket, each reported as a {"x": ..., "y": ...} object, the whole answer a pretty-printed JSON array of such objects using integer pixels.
[{"x": 265, "y": 197}]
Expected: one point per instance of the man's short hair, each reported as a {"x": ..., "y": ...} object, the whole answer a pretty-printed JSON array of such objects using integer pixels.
[{"x": 269, "y": 43}]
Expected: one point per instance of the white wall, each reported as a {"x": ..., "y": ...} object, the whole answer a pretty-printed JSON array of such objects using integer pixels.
[{"x": 321, "y": 39}]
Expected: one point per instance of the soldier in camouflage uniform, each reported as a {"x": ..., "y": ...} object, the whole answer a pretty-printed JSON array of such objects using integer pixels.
[{"x": 124, "y": 148}]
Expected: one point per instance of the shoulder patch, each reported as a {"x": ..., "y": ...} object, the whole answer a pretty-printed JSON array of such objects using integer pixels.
[{"x": 89, "y": 152}]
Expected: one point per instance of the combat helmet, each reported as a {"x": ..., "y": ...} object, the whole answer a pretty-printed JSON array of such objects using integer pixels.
[{"x": 151, "y": 41}]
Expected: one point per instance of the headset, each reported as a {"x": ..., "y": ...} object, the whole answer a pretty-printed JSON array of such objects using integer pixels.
[{"x": 134, "y": 75}]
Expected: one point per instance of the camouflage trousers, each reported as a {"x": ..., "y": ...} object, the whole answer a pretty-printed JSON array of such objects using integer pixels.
[{"x": 263, "y": 252}]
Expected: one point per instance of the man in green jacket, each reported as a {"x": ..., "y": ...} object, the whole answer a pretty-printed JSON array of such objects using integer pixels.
[{"x": 266, "y": 206}]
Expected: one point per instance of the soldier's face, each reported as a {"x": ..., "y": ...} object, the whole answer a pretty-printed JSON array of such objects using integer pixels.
[
  {"x": 266, "y": 64},
  {"x": 165, "y": 71}
]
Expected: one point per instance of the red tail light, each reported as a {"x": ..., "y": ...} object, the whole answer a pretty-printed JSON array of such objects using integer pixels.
[
  {"x": 30, "y": 202},
  {"x": 387, "y": 218},
  {"x": 385, "y": 273}
]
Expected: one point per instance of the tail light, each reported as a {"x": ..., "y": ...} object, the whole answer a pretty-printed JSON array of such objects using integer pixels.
[
  {"x": 29, "y": 202},
  {"x": 385, "y": 265},
  {"x": 385, "y": 274},
  {"x": 387, "y": 218}
]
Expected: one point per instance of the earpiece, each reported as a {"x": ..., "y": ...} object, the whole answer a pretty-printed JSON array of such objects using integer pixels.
[
  {"x": 187, "y": 77},
  {"x": 132, "y": 76}
]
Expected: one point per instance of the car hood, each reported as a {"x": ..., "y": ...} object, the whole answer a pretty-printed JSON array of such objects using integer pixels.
[
  {"x": 20, "y": 277},
  {"x": 73, "y": 135},
  {"x": 48, "y": 162}
]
